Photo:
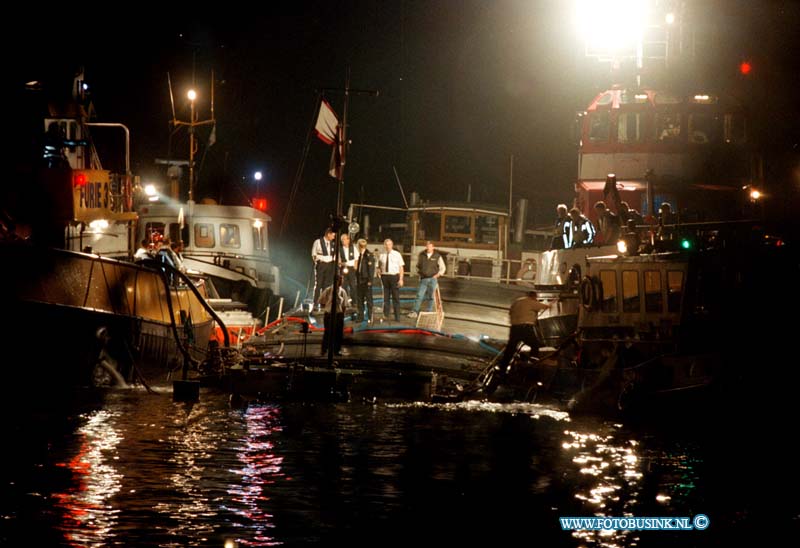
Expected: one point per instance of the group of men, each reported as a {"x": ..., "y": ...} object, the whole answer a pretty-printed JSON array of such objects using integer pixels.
[
  {"x": 357, "y": 268},
  {"x": 573, "y": 229}
]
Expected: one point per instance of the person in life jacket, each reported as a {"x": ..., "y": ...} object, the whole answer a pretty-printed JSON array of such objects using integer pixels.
[
  {"x": 579, "y": 232},
  {"x": 430, "y": 266},
  {"x": 558, "y": 229}
]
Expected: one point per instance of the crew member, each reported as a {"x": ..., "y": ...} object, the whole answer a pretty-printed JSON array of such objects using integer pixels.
[
  {"x": 365, "y": 273},
  {"x": 333, "y": 333},
  {"x": 580, "y": 230},
  {"x": 324, "y": 267},
  {"x": 390, "y": 269},
  {"x": 430, "y": 266},
  {"x": 348, "y": 255},
  {"x": 609, "y": 227},
  {"x": 524, "y": 315}
]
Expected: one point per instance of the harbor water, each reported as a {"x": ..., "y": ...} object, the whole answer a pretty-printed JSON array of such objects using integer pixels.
[{"x": 131, "y": 468}]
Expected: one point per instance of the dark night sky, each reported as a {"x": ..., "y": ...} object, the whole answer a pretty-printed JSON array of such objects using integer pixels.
[{"x": 463, "y": 85}]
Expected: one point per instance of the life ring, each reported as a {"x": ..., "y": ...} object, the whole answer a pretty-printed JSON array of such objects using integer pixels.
[
  {"x": 598, "y": 291},
  {"x": 587, "y": 292},
  {"x": 591, "y": 291},
  {"x": 528, "y": 271}
]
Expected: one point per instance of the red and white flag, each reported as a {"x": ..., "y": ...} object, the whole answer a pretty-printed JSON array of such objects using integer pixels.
[{"x": 327, "y": 123}]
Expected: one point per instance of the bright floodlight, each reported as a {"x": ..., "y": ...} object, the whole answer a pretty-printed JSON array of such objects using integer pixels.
[
  {"x": 192, "y": 95},
  {"x": 150, "y": 190},
  {"x": 257, "y": 175},
  {"x": 611, "y": 25},
  {"x": 755, "y": 194}
]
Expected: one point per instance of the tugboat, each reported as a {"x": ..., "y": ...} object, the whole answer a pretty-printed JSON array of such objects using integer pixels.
[
  {"x": 84, "y": 318},
  {"x": 228, "y": 244}
]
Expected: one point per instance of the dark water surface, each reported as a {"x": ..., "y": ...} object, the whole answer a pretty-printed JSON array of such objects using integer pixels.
[{"x": 128, "y": 468}]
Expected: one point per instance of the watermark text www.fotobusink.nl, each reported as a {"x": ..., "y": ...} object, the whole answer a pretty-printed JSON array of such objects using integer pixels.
[{"x": 698, "y": 522}]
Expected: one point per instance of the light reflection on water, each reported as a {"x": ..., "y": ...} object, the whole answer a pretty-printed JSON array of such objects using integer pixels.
[
  {"x": 148, "y": 472},
  {"x": 88, "y": 516}
]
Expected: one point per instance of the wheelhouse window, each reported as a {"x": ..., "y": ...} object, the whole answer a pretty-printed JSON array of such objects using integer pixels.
[
  {"x": 668, "y": 127},
  {"x": 486, "y": 229},
  {"x": 674, "y": 290},
  {"x": 430, "y": 226},
  {"x": 735, "y": 129},
  {"x": 203, "y": 235},
  {"x": 229, "y": 236},
  {"x": 608, "y": 279},
  {"x": 458, "y": 227},
  {"x": 176, "y": 234},
  {"x": 630, "y": 291},
  {"x": 702, "y": 128},
  {"x": 154, "y": 231},
  {"x": 629, "y": 127},
  {"x": 259, "y": 236},
  {"x": 598, "y": 126},
  {"x": 653, "y": 301}
]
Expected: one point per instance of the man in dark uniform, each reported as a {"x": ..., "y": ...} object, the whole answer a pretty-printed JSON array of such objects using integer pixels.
[
  {"x": 365, "y": 273},
  {"x": 324, "y": 267}
]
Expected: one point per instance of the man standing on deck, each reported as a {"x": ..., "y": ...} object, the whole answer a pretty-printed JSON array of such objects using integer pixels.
[
  {"x": 348, "y": 255},
  {"x": 333, "y": 333},
  {"x": 430, "y": 265},
  {"x": 524, "y": 315},
  {"x": 324, "y": 267},
  {"x": 365, "y": 272},
  {"x": 390, "y": 270}
]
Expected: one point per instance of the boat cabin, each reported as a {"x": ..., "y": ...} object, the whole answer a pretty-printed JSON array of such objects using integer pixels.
[
  {"x": 472, "y": 237},
  {"x": 640, "y": 297},
  {"x": 228, "y": 243}
]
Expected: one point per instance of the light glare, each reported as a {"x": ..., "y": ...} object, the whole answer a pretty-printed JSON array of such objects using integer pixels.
[{"x": 612, "y": 25}]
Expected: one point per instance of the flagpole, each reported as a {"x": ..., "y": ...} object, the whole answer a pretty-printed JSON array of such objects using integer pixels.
[{"x": 341, "y": 138}]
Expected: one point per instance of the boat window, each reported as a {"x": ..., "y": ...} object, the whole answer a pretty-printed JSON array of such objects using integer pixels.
[
  {"x": 630, "y": 291},
  {"x": 653, "y": 301},
  {"x": 668, "y": 127},
  {"x": 154, "y": 231},
  {"x": 457, "y": 227},
  {"x": 486, "y": 229},
  {"x": 629, "y": 127},
  {"x": 609, "y": 280},
  {"x": 674, "y": 290},
  {"x": 257, "y": 241},
  {"x": 606, "y": 99},
  {"x": 203, "y": 235},
  {"x": 702, "y": 128},
  {"x": 666, "y": 99},
  {"x": 229, "y": 235},
  {"x": 735, "y": 130},
  {"x": 430, "y": 226},
  {"x": 176, "y": 234},
  {"x": 598, "y": 126}
]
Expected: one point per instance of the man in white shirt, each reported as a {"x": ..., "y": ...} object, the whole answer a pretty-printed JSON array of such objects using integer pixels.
[
  {"x": 324, "y": 268},
  {"x": 348, "y": 255},
  {"x": 390, "y": 270},
  {"x": 430, "y": 266}
]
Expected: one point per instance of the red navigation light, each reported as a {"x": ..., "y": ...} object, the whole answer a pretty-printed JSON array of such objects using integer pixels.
[
  {"x": 260, "y": 204},
  {"x": 745, "y": 67},
  {"x": 80, "y": 179}
]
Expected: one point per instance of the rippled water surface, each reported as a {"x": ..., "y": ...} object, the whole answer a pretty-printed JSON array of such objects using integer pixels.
[{"x": 128, "y": 468}]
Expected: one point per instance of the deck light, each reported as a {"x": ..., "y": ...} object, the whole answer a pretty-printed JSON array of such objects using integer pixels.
[{"x": 622, "y": 247}]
